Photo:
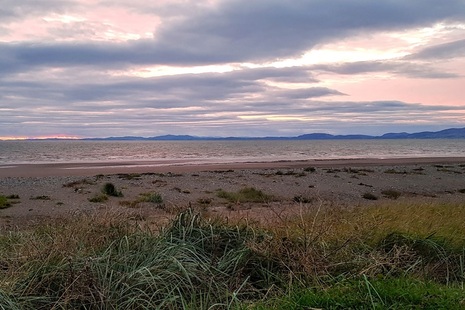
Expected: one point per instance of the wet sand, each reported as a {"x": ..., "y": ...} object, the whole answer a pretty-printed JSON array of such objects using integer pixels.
[{"x": 89, "y": 169}]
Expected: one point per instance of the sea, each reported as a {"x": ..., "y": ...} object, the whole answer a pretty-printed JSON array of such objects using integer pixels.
[{"x": 197, "y": 152}]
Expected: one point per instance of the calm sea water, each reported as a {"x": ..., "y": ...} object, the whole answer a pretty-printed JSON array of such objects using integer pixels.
[{"x": 15, "y": 152}]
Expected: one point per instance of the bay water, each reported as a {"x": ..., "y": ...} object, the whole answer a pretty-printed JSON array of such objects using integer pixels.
[{"x": 78, "y": 151}]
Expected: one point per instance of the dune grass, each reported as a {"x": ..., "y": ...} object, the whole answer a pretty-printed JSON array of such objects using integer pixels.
[
  {"x": 246, "y": 194},
  {"x": 393, "y": 256},
  {"x": 4, "y": 202}
]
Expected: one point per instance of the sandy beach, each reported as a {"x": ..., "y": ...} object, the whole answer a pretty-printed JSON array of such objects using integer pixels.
[{"x": 43, "y": 191}]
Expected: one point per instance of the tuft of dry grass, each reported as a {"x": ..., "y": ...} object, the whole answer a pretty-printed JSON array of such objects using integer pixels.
[{"x": 246, "y": 194}]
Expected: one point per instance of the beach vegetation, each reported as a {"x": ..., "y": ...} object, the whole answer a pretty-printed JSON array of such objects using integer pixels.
[
  {"x": 246, "y": 194},
  {"x": 392, "y": 256},
  {"x": 111, "y": 190},
  {"x": 391, "y": 193},
  {"x": 310, "y": 169},
  {"x": 462, "y": 190},
  {"x": 151, "y": 197},
  {"x": 361, "y": 171},
  {"x": 303, "y": 199},
  {"x": 369, "y": 196},
  {"x": 79, "y": 183},
  {"x": 99, "y": 198},
  {"x": 41, "y": 197},
  {"x": 204, "y": 201},
  {"x": 129, "y": 176},
  {"x": 13, "y": 196},
  {"x": 4, "y": 202},
  {"x": 449, "y": 170}
]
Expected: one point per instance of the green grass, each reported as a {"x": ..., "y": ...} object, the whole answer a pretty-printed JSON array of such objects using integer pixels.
[
  {"x": 151, "y": 197},
  {"x": 364, "y": 293},
  {"x": 4, "y": 202},
  {"x": 393, "y": 256},
  {"x": 246, "y": 194}
]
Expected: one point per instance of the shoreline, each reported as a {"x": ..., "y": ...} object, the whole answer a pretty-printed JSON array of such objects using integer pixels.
[{"x": 182, "y": 166}]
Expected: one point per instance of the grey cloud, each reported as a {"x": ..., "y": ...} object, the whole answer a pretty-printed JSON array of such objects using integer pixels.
[
  {"x": 270, "y": 29},
  {"x": 448, "y": 50},
  {"x": 236, "y": 31},
  {"x": 307, "y": 93},
  {"x": 14, "y": 9},
  {"x": 165, "y": 91},
  {"x": 399, "y": 67}
]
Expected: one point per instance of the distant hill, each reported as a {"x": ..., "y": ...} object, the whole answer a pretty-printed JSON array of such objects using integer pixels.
[{"x": 451, "y": 133}]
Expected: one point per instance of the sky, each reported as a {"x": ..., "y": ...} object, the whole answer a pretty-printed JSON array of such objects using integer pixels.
[{"x": 83, "y": 68}]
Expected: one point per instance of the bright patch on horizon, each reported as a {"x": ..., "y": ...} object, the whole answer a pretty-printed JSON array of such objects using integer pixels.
[{"x": 62, "y": 137}]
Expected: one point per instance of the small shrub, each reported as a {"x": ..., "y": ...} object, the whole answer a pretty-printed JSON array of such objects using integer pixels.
[
  {"x": 247, "y": 194},
  {"x": 129, "y": 176},
  {"x": 204, "y": 201},
  {"x": 78, "y": 183},
  {"x": 41, "y": 197},
  {"x": 462, "y": 190},
  {"x": 110, "y": 190},
  {"x": 394, "y": 171},
  {"x": 129, "y": 204},
  {"x": 369, "y": 196},
  {"x": 302, "y": 199},
  {"x": 12, "y": 197},
  {"x": 310, "y": 169},
  {"x": 99, "y": 198},
  {"x": 391, "y": 194},
  {"x": 151, "y": 197},
  {"x": 4, "y": 203}
]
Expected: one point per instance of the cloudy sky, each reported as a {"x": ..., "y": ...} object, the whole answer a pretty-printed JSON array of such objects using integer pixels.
[{"x": 84, "y": 68}]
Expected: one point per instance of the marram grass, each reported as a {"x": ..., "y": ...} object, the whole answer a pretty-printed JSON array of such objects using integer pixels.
[{"x": 386, "y": 257}]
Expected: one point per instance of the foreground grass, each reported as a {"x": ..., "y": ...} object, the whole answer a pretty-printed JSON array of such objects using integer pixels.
[{"x": 395, "y": 256}]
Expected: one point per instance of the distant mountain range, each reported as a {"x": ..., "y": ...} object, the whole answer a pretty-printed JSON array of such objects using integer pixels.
[{"x": 451, "y": 133}]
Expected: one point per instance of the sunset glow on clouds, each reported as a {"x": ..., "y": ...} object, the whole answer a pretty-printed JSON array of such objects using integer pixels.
[{"x": 230, "y": 68}]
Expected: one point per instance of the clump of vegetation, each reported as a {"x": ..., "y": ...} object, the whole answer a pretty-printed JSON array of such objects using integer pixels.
[
  {"x": 130, "y": 176},
  {"x": 4, "y": 203},
  {"x": 303, "y": 199},
  {"x": 369, "y": 196},
  {"x": 204, "y": 201},
  {"x": 310, "y": 169},
  {"x": 330, "y": 170},
  {"x": 110, "y": 190},
  {"x": 362, "y": 171},
  {"x": 78, "y": 183},
  {"x": 246, "y": 194},
  {"x": 41, "y": 197},
  {"x": 462, "y": 190},
  {"x": 151, "y": 197},
  {"x": 449, "y": 170},
  {"x": 391, "y": 193},
  {"x": 99, "y": 198},
  {"x": 13, "y": 196}
]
